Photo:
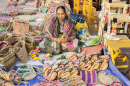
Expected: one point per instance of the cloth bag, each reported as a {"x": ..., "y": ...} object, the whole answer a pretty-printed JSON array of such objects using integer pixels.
[
  {"x": 26, "y": 71},
  {"x": 20, "y": 27},
  {"x": 21, "y": 51},
  {"x": 7, "y": 58}
]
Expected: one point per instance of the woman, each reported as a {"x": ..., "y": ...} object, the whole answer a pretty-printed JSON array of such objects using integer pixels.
[{"x": 62, "y": 33}]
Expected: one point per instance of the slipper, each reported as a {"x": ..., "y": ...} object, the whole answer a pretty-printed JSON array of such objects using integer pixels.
[
  {"x": 87, "y": 66},
  {"x": 74, "y": 73},
  {"x": 81, "y": 66},
  {"x": 60, "y": 73},
  {"x": 95, "y": 66},
  {"x": 65, "y": 75},
  {"x": 104, "y": 66},
  {"x": 73, "y": 57},
  {"x": 46, "y": 67}
]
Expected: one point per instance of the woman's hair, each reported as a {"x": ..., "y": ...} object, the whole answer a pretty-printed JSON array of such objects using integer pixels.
[{"x": 62, "y": 7}]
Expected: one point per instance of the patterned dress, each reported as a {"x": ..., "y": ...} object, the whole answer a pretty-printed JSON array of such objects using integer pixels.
[{"x": 57, "y": 30}]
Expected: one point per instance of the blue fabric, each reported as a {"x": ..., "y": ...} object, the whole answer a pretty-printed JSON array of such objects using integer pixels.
[
  {"x": 33, "y": 81},
  {"x": 114, "y": 71}
]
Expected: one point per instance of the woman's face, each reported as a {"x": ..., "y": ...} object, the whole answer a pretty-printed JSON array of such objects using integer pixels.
[{"x": 61, "y": 14}]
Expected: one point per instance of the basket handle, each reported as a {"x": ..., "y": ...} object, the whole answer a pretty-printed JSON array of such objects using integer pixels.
[{"x": 24, "y": 83}]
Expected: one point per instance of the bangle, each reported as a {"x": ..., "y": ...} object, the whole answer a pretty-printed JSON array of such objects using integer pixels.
[{"x": 71, "y": 38}]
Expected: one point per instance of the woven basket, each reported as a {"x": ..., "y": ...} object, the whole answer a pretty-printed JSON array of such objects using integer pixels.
[
  {"x": 7, "y": 58},
  {"x": 21, "y": 51}
]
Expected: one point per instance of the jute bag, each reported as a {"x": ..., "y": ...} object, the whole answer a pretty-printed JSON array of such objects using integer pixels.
[
  {"x": 29, "y": 42},
  {"x": 21, "y": 51},
  {"x": 20, "y": 27},
  {"x": 26, "y": 71},
  {"x": 7, "y": 58},
  {"x": 13, "y": 38},
  {"x": 6, "y": 76},
  {"x": 3, "y": 44}
]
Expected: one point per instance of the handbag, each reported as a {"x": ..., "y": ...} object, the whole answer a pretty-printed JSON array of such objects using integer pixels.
[
  {"x": 7, "y": 58},
  {"x": 21, "y": 51},
  {"x": 26, "y": 71}
]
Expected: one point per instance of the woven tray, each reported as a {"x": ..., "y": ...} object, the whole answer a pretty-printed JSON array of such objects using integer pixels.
[{"x": 27, "y": 12}]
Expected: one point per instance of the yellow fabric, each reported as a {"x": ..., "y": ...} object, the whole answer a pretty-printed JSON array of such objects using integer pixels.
[{"x": 80, "y": 25}]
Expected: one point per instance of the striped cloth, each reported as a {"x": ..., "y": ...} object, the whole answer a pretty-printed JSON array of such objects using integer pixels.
[{"x": 90, "y": 77}]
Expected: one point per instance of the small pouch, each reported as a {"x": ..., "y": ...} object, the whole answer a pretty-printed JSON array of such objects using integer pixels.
[{"x": 26, "y": 71}]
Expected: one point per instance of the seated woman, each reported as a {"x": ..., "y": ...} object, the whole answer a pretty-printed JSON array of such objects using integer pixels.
[{"x": 62, "y": 33}]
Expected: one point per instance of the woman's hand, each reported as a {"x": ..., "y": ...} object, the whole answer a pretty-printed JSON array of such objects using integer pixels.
[
  {"x": 58, "y": 40},
  {"x": 64, "y": 39}
]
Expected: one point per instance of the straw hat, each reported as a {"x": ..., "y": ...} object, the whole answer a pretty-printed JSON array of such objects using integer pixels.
[
  {"x": 65, "y": 75},
  {"x": 115, "y": 79},
  {"x": 102, "y": 73},
  {"x": 105, "y": 80}
]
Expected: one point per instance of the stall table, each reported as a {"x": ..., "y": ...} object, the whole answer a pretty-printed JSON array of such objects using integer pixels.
[{"x": 115, "y": 46}]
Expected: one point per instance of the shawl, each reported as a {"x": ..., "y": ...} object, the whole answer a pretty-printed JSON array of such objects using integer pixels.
[{"x": 68, "y": 29}]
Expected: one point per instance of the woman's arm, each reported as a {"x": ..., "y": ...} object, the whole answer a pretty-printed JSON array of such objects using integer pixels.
[
  {"x": 68, "y": 39},
  {"x": 55, "y": 39}
]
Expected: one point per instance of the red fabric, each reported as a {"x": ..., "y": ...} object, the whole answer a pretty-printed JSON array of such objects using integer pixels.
[
  {"x": 49, "y": 83},
  {"x": 92, "y": 50}
]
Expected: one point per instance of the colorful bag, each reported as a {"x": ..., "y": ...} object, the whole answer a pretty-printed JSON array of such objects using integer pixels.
[
  {"x": 26, "y": 71},
  {"x": 29, "y": 42},
  {"x": 20, "y": 27},
  {"x": 6, "y": 76},
  {"x": 90, "y": 77},
  {"x": 21, "y": 51},
  {"x": 7, "y": 58}
]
